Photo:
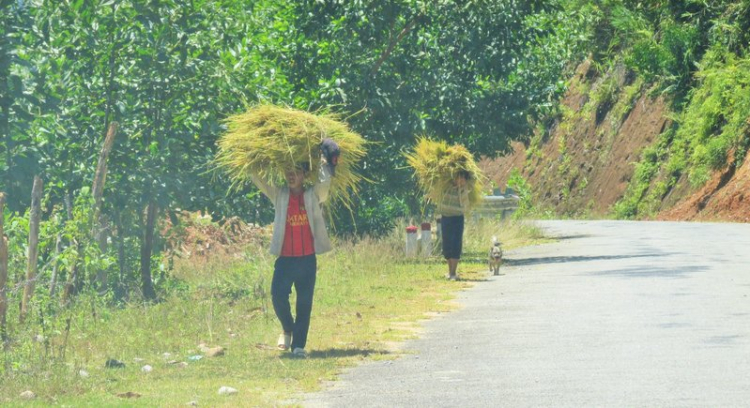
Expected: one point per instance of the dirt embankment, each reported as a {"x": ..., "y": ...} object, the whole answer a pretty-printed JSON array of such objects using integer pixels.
[
  {"x": 726, "y": 197},
  {"x": 585, "y": 162}
]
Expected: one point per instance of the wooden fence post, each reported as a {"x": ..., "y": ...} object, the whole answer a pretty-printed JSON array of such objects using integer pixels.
[
  {"x": 3, "y": 270},
  {"x": 34, "y": 219},
  {"x": 99, "y": 224}
]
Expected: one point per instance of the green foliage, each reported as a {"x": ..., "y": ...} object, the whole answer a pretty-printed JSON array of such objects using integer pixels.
[
  {"x": 714, "y": 122},
  {"x": 696, "y": 52},
  {"x": 458, "y": 72},
  {"x": 562, "y": 36},
  {"x": 668, "y": 58},
  {"x": 732, "y": 28},
  {"x": 168, "y": 72},
  {"x": 17, "y": 101},
  {"x": 656, "y": 173},
  {"x": 76, "y": 253},
  {"x": 661, "y": 41},
  {"x": 377, "y": 217},
  {"x": 604, "y": 96},
  {"x": 523, "y": 190},
  {"x": 626, "y": 101},
  {"x": 646, "y": 58},
  {"x": 645, "y": 170},
  {"x": 16, "y": 228}
]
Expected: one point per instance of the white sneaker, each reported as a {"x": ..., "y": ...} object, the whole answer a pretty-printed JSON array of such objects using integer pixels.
[
  {"x": 299, "y": 352},
  {"x": 284, "y": 341}
]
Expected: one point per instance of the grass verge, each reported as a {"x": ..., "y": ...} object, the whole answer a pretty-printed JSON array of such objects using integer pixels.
[{"x": 368, "y": 299}]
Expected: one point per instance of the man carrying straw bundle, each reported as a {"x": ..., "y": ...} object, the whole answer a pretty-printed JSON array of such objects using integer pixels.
[
  {"x": 290, "y": 156},
  {"x": 299, "y": 233},
  {"x": 452, "y": 180}
]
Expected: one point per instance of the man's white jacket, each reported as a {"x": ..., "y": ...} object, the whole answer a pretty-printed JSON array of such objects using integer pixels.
[{"x": 314, "y": 196}]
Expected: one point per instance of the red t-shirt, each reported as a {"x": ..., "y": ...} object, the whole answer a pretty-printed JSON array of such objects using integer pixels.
[{"x": 298, "y": 240}]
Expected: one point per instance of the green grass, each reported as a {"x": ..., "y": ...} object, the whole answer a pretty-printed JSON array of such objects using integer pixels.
[{"x": 368, "y": 299}]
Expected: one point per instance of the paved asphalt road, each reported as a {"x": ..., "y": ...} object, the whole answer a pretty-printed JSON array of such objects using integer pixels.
[{"x": 614, "y": 314}]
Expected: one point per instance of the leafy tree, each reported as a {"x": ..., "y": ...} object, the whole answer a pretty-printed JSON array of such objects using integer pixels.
[
  {"x": 168, "y": 71},
  {"x": 404, "y": 68},
  {"x": 191, "y": 65},
  {"x": 16, "y": 104}
]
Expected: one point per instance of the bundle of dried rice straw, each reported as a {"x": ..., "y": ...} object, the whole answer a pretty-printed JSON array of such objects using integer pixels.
[
  {"x": 436, "y": 165},
  {"x": 268, "y": 140}
]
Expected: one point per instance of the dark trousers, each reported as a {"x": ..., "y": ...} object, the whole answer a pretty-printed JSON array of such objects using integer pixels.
[
  {"x": 453, "y": 236},
  {"x": 298, "y": 271}
]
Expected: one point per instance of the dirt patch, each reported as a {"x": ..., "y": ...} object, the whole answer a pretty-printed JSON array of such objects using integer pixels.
[
  {"x": 724, "y": 198},
  {"x": 498, "y": 170},
  {"x": 191, "y": 235}
]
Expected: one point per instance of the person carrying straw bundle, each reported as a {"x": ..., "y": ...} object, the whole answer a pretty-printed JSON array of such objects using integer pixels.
[
  {"x": 290, "y": 156},
  {"x": 451, "y": 179}
]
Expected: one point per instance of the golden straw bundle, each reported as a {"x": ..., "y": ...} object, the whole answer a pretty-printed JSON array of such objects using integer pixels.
[
  {"x": 268, "y": 140},
  {"x": 436, "y": 165}
]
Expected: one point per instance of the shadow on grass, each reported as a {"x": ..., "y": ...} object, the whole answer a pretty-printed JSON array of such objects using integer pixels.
[{"x": 340, "y": 353}]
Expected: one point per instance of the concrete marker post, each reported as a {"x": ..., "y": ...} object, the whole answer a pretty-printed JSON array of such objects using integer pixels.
[
  {"x": 426, "y": 239},
  {"x": 411, "y": 241}
]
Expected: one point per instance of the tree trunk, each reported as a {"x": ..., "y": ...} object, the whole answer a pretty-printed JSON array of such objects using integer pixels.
[
  {"x": 69, "y": 288},
  {"x": 70, "y": 285},
  {"x": 99, "y": 233},
  {"x": 55, "y": 267},
  {"x": 122, "y": 262},
  {"x": 146, "y": 249},
  {"x": 34, "y": 219},
  {"x": 101, "y": 239},
  {"x": 101, "y": 167},
  {"x": 3, "y": 270},
  {"x": 68, "y": 205}
]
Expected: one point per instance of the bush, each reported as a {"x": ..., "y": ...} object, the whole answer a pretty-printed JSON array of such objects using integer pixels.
[
  {"x": 715, "y": 120},
  {"x": 523, "y": 190}
]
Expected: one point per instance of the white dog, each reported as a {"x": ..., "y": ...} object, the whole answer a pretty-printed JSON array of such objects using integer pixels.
[{"x": 495, "y": 256}]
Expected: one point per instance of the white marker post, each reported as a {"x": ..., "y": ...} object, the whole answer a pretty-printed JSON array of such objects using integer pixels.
[
  {"x": 426, "y": 239},
  {"x": 411, "y": 241}
]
